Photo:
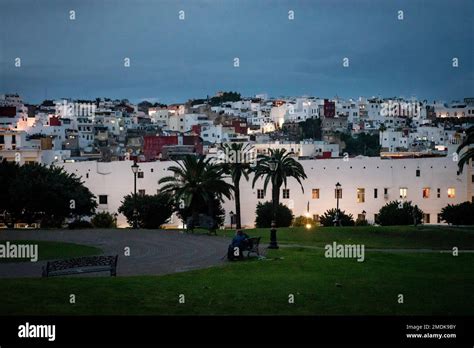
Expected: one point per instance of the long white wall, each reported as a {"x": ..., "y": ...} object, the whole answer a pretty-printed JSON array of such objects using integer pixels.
[{"x": 115, "y": 179}]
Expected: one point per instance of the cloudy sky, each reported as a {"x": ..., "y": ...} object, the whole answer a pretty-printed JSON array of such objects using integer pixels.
[{"x": 172, "y": 60}]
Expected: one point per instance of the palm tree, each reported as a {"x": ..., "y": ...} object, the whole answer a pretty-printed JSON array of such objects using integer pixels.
[
  {"x": 276, "y": 168},
  {"x": 196, "y": 180},
  {"x": 467, "y": 144},
  {"x": 237, "y": 164}
]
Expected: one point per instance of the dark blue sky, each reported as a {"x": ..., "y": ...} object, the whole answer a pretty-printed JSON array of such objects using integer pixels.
[{"x": 173, "y": 60}]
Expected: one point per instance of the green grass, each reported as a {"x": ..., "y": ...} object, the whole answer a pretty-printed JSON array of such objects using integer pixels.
[
  {"x": 432, "y": 283},
  {"x": 384, "y": 237},
  {"x": 54, "y": 250}
]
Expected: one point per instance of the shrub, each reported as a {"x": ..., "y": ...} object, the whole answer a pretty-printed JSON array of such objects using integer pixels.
[
  {"x": 361, "y": 222},
  {"x": 264, "y": 215},
  {"x": 397, "y": 213},
  {"x": 78, "y": 224},
  {"x": 103, "y": 220},
  {"x": 327, "y": 219},
  {"x": 218, "y": 211},
  {"x": 152, "y": 211},
  {"x": 302, "y": 221},
  {"x": 458, "y": 214},
  {"x": 38, "y": 193}
]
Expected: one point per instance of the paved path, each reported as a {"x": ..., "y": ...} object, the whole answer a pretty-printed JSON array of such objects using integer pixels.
[
  {"x": 381, "y": 250},
  {"x": 152, "y": 252}
]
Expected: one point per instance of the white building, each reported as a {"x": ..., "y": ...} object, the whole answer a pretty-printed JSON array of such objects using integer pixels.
[{"x": 368, "y": 183}]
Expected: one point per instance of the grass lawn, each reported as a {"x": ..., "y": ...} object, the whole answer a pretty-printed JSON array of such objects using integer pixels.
[
  {"x": 432, "y": 283},
  {"x": 54, "y": 250},
  {"x": 384, "y": 237}
]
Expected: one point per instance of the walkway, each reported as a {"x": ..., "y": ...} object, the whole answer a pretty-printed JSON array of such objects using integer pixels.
[{"x": 152, "y": 252}]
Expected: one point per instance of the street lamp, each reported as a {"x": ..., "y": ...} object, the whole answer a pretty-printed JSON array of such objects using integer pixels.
[
  {"x": 337, "y": 221},
  {"x": 135, "y": 212},
  {"x": 272, "y": 163},
  {"x": 231, "y": 214}
]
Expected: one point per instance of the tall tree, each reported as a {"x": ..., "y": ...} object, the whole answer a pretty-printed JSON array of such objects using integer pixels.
[
  {"x": 34, "y": 192},
  {"x": 196, "y": 180},
  {"x": 276, "y": 168},
  {"x": 236, "y": 163},
  {"x": 468, "y": 154}
]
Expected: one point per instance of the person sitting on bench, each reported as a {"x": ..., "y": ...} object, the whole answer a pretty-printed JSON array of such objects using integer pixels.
[{"x": 239, "y": 241}]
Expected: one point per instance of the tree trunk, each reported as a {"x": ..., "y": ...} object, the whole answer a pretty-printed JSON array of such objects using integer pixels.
[
  {"x": 275, "y": 200},
  {"x": 237, "y": 207},
  {"x": 211, "y": 213}
]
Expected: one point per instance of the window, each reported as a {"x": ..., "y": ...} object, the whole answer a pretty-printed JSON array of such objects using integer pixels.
[
  {"x": 87, "y": 175},
  {"x": 316, "y": 218},
  {"x": 403, "y": 192},
  {"x": 338, "y": 193},
  {"x": 141, "y": 193},
  {"x": 426, "y": 218},
  {"x": 315, "y": 194},
  {"x": 472, "y": 178},
  {"x": 376, "y": 217},
  {"x": 426, "y": 192},
  {"x": 286, "y": 193},
  {"x": 360, "y": 195},
  {"x": 417, "y": 172},
  {"x": 260, "y": 194},
  {"x": 102, "y": 199},
  {"x": 140, "y": 175},
  {"x": 439, "y": 218},
  {"x": 385, "y": 192},
  {"x": 451, "y": 192},
  {"x": 438, "y": 192},
  {"x": 375, "y": 193}
]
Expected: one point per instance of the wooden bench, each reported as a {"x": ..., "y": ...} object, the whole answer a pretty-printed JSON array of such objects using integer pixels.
[
  {"x": 79, "y": 265},
  {"x": 25, "y": 226},
  {"x": 204, "y": 221},
  {"x": 251, "y": 246}
]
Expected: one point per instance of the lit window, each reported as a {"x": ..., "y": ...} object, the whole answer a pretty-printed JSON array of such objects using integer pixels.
[
  {"x": 315, "y": 194},
  {"x": 286, "y": 193},
  {"x": 360, "y": 195},
  {"x": 260, "y": 194},
  {"x": 451, "y": 192},
  {"x": 426, "y": 192},
  {"x": 403, "y": 192}
]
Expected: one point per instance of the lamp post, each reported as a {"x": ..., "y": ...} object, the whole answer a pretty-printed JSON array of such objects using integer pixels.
[
  {"x": 231, "y": 214},
  {"x": 337, "y": 221},
  {"x": 135, "y": 212},
  {"x": 273, "y": 238}
]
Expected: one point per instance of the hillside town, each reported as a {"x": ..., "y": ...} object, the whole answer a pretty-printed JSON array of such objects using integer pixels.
[
  {"x": 106, "y": 130},
  {"x": 378, "y": 149}
]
